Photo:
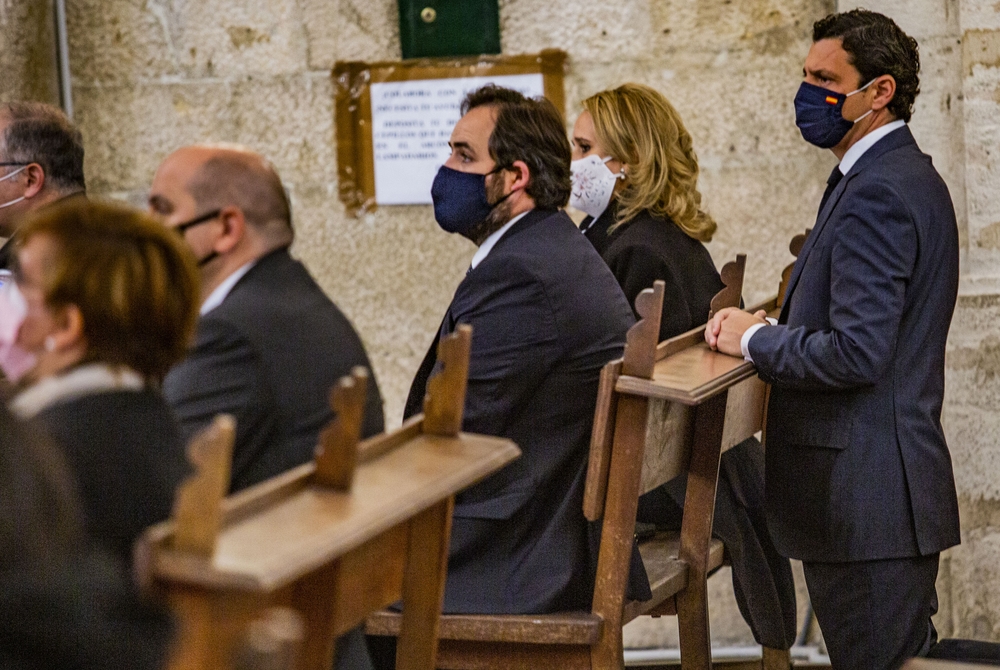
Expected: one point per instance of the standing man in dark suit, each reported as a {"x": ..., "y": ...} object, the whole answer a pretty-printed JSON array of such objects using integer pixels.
[
  {"x": 859, "y": 482},
  {"x": 546, "y": 314},
  {"x": 41, "y": 161},
  {"x": 270, "y": 344}
]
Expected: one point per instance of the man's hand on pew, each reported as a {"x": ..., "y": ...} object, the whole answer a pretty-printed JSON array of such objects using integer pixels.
[{"x": 725, "y": 330}]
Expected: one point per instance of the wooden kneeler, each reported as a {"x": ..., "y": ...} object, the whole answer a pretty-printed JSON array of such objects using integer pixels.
[{"x": 361, "y": 527}]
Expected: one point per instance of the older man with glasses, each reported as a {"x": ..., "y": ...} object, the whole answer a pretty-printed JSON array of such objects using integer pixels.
[{"x": 41, "y": 161}]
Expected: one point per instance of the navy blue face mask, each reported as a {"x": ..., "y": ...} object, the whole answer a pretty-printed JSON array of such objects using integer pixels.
[
  {"x": 460, "y": 202},
  {"x": 820, "y": 117}
]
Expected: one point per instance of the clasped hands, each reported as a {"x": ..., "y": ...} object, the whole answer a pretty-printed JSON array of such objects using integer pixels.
[{"x": 725, "y": 330}]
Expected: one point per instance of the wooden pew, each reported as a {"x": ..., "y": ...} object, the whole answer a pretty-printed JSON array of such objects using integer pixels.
[
  {"x": 361, "y": 527},
  {"x": 692, "y": 404}
]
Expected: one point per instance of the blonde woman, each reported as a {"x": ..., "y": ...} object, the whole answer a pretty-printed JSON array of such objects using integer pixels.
[{"x": 635, "y": 175}]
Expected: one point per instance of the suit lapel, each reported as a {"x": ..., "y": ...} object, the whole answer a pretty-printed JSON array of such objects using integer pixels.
[
  {"x": 894, "y": 140},
  {"x": 821, "y": 220}
]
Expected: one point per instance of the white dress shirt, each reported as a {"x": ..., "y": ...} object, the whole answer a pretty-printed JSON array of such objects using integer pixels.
[
  {"x": 216, "y": 297},
  {"x": 852, "y": 156},
  {"x": 484, "y": 249}
]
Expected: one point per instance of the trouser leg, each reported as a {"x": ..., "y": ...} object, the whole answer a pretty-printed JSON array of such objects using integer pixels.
[{"x": 874, "y": 614}]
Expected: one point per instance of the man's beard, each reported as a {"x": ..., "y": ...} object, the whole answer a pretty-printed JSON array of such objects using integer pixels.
[{"x": 498, "y": 216}]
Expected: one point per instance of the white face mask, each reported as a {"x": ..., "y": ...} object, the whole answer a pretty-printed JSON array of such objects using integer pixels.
[
  {"x": 593, "y": 184},
  {"x": 5, "y": 178}
]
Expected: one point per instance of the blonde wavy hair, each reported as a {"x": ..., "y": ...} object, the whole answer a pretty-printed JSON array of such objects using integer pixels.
[{"x": 636, "y": 125}]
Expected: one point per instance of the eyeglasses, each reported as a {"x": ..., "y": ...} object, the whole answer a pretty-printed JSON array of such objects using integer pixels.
[{"x": 180, "y": 228}]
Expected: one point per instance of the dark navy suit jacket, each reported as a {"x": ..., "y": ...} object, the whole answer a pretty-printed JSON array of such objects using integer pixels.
[
  {"x": 547, "y": 314},
  {"x": 269, "y": 355},
  {"x": 857, "y": 467}
]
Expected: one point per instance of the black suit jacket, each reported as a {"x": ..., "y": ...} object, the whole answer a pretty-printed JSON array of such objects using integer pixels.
[
  {"x": 269, "y": 355},
  {"x": 857, "y": 465},
  {"x": 128, "y": 458},
  {"x": 647, "y": 248},
  {"x": 547, "y": 314}
]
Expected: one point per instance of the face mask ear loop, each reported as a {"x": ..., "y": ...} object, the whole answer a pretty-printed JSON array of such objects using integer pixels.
[
  {"x": 621, "y": 172},
  {"x": 861, "y": 89},
  {"x": 858, "y": 91},
  {"x": 14, "y": 173}
]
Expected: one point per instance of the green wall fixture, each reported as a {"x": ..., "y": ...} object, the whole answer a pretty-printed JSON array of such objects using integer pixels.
[{"x": 430, "y": 28}]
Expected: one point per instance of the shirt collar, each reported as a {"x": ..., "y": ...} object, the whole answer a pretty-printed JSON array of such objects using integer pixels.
[
  {"x": 216, "y": 297},
  {"x": 865, "y": 143},
  {"x": 484, "y": 249}
]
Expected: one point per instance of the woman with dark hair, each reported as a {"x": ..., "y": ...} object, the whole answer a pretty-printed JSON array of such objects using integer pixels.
[
  {"x": 62, "y": 604},
  {"x": 103, "y": 302}
]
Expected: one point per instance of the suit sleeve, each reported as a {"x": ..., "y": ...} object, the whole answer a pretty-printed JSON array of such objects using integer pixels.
[
  {"x": 514, "y": 344},
  {"x": 222, "y": 374},
  {"x": 873, "y": 255},
  {"x": 636, "y": 268}
]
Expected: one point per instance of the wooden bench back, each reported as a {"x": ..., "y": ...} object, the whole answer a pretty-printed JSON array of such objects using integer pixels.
[{"x": 669, "y": 429}]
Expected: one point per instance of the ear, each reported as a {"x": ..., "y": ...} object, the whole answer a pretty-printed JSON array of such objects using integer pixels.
[
  {"x": 885, "y": 91},
  {"x": 34, "y": 181},
  {"x": 69, "y": 329},
  {"x": 521, "y": 174},
  {"x": 234, "y": 227}
]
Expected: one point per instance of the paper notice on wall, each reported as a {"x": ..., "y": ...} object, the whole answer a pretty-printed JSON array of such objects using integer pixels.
[{"x": 411, "y": 125}]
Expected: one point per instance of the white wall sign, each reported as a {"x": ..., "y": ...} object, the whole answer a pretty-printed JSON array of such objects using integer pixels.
[{"x": 411, "y": 126}]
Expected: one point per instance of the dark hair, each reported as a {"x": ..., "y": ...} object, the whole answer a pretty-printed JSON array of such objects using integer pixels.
[
  {"x": 877, "y": 46},
  {"x": 529, "y": 130},
  {"x": 40, "y": 133}
]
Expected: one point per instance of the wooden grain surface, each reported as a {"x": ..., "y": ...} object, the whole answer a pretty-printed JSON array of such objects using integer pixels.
[
  {"x": 312, "y": 525},
  {"x": 690, "y": 376},
  {"x": 667, "y": 573}
]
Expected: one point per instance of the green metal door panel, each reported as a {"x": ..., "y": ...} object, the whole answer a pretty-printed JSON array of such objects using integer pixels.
[{"x": 449, "y": 27}]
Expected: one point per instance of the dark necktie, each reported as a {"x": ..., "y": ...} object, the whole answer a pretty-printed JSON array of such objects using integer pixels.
[{"x": 831, "y": 184}]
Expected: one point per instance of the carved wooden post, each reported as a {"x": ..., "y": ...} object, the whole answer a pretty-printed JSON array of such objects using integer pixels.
[
  {"x": 337, "y": 452},
  {"x": 795, "y": 246},
  {"x": 197, "y": 507},
  {"x": 732, "y": 276},
  {"x": 445, "y": 399},
  {"x": 622, "y": 500}
]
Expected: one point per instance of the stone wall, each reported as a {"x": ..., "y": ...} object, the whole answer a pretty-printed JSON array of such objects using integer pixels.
[
  {"x": 957, "y": 121},
  {"x": 971, "y": 418},
  {"x": 27, "y": 52},
  {"x": 152, "y": 75}
]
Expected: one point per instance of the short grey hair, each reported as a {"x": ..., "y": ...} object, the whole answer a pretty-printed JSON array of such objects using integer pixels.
[{"x": 43, "y": 134}]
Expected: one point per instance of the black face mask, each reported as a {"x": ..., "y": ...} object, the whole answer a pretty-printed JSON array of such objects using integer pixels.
[
  {"x": 460, "y": 202},
  {"x": 180, "y": 229}
]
